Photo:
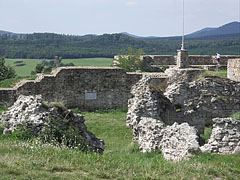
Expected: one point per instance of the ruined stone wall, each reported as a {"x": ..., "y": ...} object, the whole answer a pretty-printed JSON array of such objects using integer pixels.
[
  {"x": 7, "y": 96},
  {"x": 202, "y": 60},
  {"x": 89, "y": 88},
  {"x": 199, "y": 100},
  {"x": 233, "y": 70},
  {"x": 155, "y": 62},
  {"x": 160, "y": 60},
  {"x": 193, "y": 59}
]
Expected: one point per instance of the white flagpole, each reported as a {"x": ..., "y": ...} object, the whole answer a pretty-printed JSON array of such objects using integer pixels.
[{"x": 182, "y": 48}]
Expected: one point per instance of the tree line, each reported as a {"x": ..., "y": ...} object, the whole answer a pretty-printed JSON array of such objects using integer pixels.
[{"x": 49, "y": 45}]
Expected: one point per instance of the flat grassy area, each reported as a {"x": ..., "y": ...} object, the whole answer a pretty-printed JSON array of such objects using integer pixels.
[
  {"x": 121, "y": 158},
  {"x": 30, "y": 64},
  {"x": 25, "y": 70},
  {"x": 99, "y": 62},
  {"x": 219, "y": 73}
]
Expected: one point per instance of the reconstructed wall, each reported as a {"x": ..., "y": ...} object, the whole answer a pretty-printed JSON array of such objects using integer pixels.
[
  {"x": 193, "y": 59},
  {"x": 233, "y": 70},
  {"x": 89, "y": 88}
]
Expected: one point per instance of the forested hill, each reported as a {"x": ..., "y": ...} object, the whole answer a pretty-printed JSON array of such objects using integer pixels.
[
  {"x": 227, "y": 29},
  {"x": 49, "y": 45}
]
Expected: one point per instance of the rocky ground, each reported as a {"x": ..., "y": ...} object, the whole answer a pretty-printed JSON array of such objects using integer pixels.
[
  {"x": 33, "y": 113},
  {"x": 157, "y": 126}
]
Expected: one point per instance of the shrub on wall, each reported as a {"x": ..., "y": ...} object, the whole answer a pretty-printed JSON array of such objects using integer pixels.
[
  {"x": 130, "y": 60},
  {"x": 41, "y": 69}
]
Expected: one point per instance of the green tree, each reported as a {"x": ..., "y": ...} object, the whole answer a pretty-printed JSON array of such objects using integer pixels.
[
  {"x": 47, "y": 70},
  {"x": 6, "y": 72},
  {"x": 41, "y": 69},
  {"x": 131, "y": 60}
]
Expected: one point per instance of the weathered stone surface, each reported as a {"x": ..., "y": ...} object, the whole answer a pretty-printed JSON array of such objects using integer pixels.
[
  {"x": 30, "y": 111},
  {"x": 27, "y": 109},
  {"x": 193, "y": 59},
  {"x": 179, "y": 142},
  {"x": 182, "y": 59},
  {"x": 70, "y": 86},
  {"x": 225, "y": 137},
  {"x": 233, "y": 69},
  {"x": 148, "y": 133},
  {"x": 148, "y": 110},
  {"x": 199, "y": 100}
]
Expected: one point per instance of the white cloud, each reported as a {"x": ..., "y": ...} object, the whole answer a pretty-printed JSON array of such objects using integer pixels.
[{"x": 131, "y": 3}]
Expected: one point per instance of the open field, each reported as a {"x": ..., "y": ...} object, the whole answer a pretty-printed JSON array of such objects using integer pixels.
[
  {"x": 25, "y": 70},
  {"x": 121, "y": 159},
  {"x": 30, "y": 64}
]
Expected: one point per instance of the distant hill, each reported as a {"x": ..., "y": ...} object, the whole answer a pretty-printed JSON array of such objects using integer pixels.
[
  {"x": 140, "y": 37},
  {"x": 227, "y": 31},
  {"x": 5, "y": 32},
  {"x": 230, "y": 28},
  {"x": 198, "y": 33},
  {"x": 208, "y": 41}
]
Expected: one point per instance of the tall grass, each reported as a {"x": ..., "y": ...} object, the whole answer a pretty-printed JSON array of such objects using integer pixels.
[{"x": 121, "y": 159}]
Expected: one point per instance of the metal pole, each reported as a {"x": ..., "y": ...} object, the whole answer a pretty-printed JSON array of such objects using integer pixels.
[
  {"x": 182, "y": 48},
  {"x": 239, "y": 23}
]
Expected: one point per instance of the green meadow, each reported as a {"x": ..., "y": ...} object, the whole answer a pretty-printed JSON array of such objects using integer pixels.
[
  {"x": 30, "y": 64},
  {"x": 121, "y": 159}
]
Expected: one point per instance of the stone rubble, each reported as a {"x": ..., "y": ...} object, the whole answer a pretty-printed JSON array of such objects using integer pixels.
[
  {"x": 199, "y": 100},
  {"x": 156, "y": 126},
  {"x": 31, "y": 111},
  {"x": 27, "y": 109},
  {"x": 148, "y": 111},
  {"x": 179, "y": 142},
  {"x": 148, "y": 133},
  {"x": 225, "y": 137},
  {"x": 149, "y": 114}
]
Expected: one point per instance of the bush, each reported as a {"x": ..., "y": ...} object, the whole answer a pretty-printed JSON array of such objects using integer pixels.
[
  {"x": 130, "y": 60},
  {"x": 59, "y": 132},
  {"x": 41, "y": 69},
  {"x": 58, "y": 129},
  {"x": 6, "y": 72}
]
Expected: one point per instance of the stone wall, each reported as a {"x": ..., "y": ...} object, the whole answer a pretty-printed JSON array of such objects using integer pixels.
[
  {"x": 160, "y": 60},
  {"x": 7, "y": 96},
  {"x": 233, "y": 70},
  {"x": 224, "y": 138},
  {"x": 199, "y": 100},
  {"x": 193, "y": 59},
  {"x": 88, "y": 88}
]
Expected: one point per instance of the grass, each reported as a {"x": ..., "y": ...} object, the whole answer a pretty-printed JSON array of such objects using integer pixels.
[
  {"x": 99, "y": 62},
  {"x": 121, "y": 159},
  {"x": 207, "y": 134},
  {"x": 24, "y": 72},
  {"x": 2, "y": 109},
  {"x": 219, "y": 73},
  {"x": 30, "y": 64},
  {"x": 10, "y": 83},
  {"x": 236, "y": 115}
]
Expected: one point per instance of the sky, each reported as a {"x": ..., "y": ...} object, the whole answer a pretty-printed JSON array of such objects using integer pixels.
[{"x": 140, "y": 17}]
